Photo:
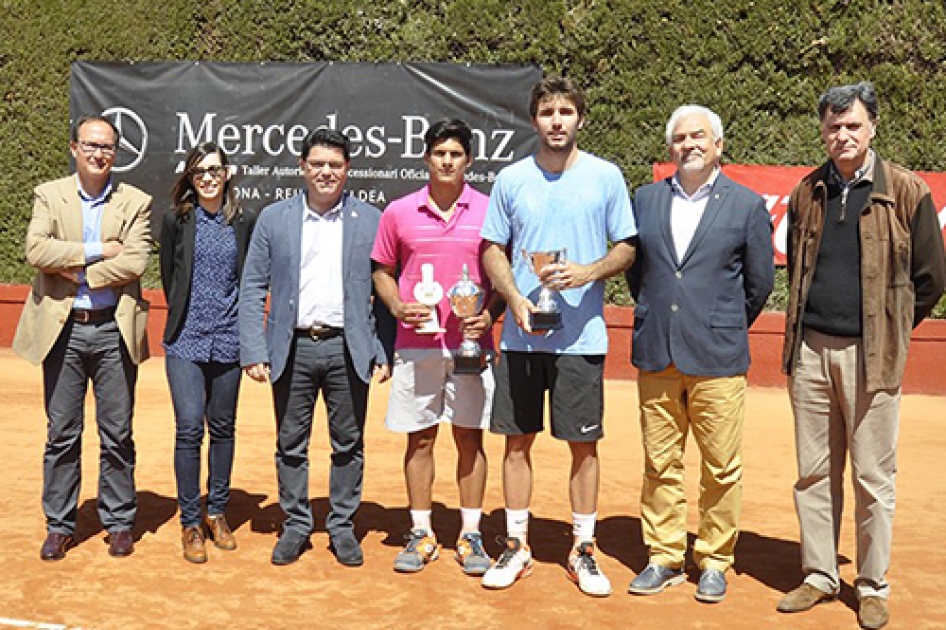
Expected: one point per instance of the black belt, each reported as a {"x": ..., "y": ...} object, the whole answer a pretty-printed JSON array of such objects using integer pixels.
[
  {"x": 97, "y": 316},
  {"x": 319, "y": 333}
]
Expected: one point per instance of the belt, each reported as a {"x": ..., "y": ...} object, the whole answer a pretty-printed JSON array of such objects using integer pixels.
[
  {"x": 319, "y": 333},
  {"x": 97, "y": 316}
]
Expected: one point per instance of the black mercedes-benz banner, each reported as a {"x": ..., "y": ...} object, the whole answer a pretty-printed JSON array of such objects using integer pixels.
[{"x": 260, "y": 113}]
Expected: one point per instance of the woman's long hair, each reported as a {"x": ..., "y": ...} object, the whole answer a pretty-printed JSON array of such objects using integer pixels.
[{"x": 183, "y": 194}]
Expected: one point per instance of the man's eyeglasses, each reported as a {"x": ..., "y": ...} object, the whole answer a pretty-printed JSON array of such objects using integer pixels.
[
  {"x": 214, "y": 171},
  {"x": 318, "y": 165},
  {"x": 89, "y": 148}
]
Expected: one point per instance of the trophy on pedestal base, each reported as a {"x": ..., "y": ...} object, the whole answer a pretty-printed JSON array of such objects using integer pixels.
[
  {"x": 548, "y": 317},
  {"x": 429, "y": 292},
  {"x": 466, "y": 300}
]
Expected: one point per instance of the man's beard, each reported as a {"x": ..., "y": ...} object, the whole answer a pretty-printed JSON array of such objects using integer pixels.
[
  {"x": 694, "y": 164},
  {"x": 562, "y": 148}
]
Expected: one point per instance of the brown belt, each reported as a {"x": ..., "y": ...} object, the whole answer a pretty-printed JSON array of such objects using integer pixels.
[
  {"x": 319, "y": 333},
  {"x": 97, "y": 316}
]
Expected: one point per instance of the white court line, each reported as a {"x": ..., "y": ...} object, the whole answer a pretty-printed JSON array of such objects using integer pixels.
[{"x": 23, "y": 623}]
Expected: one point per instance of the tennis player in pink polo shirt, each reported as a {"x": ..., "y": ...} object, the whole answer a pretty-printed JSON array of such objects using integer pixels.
[{"x": 437, "y": 229}]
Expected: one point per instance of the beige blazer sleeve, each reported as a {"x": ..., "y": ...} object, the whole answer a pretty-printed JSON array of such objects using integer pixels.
[
  {"x": 54, "y": 242},
  {"x": 54, "y": 236}
]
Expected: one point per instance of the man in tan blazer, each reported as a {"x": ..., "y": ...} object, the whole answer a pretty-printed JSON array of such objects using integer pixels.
[{"x": 84, "y": 319}]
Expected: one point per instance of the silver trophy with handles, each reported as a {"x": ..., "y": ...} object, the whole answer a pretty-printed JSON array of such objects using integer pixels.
[
  {"x": 466, "y": 300},
  {"x": 549, "y": 316}
]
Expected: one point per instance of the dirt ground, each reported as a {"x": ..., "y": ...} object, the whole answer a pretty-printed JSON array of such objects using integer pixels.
[{"x": 156, "y": 588}]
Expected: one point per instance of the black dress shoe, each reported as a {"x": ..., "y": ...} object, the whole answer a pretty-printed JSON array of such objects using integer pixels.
[
  {"x": 121, "y": 544},
  {"x": 347, "y": 550},
  {"x": 55, "y": 546},
  {"x": 289, "y": 548}
]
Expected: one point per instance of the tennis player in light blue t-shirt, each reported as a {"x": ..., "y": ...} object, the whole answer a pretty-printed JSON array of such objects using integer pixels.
[
  {"x": 560, "y": 198},
  {"x": 579, "y": 210}
]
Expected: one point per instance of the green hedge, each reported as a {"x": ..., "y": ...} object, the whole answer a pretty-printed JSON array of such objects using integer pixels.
[{"x": 761, "y": 64}]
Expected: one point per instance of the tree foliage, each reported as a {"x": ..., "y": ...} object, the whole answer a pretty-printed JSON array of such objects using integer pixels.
[{"x": 760, "y": 63}]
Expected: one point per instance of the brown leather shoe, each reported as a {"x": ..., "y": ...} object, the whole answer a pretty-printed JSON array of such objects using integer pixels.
[
  {"x": 121, "y": 544},
  {"x": 803, "y": 598},
  {"x": 872, "y": 612},
  {"x": 218, "y": 530},
  {"x": 192, "y": 539},
  {"x": 55, "y": 546}
]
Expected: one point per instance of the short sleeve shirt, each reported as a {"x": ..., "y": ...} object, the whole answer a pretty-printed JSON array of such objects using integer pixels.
[
  {"x": 412, "y": 233},
  {"x": 578, "y": 210}
]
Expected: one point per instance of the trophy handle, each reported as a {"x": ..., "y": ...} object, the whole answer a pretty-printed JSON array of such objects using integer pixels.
[{"x": 548, "y": 317}]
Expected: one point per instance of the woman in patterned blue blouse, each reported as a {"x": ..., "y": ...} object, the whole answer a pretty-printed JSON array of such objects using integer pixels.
[{"x": 203, "y": 245}]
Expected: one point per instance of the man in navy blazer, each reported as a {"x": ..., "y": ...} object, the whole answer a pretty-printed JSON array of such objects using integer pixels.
[
  {"x": 703, "y": 271},
  {"x": 324, "y": 333}
]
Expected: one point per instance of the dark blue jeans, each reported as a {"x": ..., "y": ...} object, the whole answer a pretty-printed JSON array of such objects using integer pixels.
[{"x": 202, "y": 391}]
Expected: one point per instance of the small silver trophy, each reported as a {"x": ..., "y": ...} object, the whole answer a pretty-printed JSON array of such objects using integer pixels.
[
  {"x": 466, "y": 300},
  {"x": 548, "y": 317},
  {"x": 429, "y": 292}
]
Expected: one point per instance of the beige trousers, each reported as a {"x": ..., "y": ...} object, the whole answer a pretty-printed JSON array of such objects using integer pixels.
[
  {"x": 671, "y": 405},
  {"x": 834, "y": 417}
]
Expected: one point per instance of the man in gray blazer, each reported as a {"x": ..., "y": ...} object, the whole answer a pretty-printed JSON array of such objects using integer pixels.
[
  {"x": 324, "y": 333},
  {"x": 703, "y": 271}
]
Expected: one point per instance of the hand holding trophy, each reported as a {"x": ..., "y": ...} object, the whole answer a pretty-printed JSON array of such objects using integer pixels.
[
  {"x": 548, "y": 317},
  {"x": 429, "y": 292},
  {"x": 466, "y": 300}
]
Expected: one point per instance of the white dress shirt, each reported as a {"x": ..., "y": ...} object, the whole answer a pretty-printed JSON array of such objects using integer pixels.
[
  {"x": 321, "y": 288},
  {"x": 686, "y": 212}
]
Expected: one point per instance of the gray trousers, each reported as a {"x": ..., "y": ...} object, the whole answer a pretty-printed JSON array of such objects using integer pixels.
[
  {"x": 314, "y": 367},
  {"x": 834, "y": 417},
  {"x": 83, "y": 353}
]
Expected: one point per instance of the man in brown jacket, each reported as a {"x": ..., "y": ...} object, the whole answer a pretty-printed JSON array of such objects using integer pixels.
[
  {"x": 84, "y": 319},
  {"x": 866, "y": 264}
]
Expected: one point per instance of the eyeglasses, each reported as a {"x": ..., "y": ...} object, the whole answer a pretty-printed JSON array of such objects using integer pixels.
[
  {"x": 89, "y": 148},
  {"x": 318, "y": 165},
  {"x": 215, "y": 172}
]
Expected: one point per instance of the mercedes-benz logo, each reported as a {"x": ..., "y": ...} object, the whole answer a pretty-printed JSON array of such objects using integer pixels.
[{"x": 134, "y": 140}]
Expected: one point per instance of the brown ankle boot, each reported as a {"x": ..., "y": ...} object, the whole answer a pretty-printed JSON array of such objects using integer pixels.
[
  {"x": 218, "y": 530},
  {"x": 192, "y": 540}
]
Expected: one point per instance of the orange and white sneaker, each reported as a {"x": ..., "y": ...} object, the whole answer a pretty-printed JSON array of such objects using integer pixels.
[
  {"x": 421, "y": 549},
  {"x": 583, "y": 570},
  {"x": 472, "y": 555},
  {"x": 513, "y": 563}
]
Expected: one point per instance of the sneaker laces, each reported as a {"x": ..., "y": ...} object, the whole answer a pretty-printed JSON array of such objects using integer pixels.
[
  {"x": 476, "y": 544},
  {"x": 511, "y": 548},
  {"x": 587, "y": 561},
  {"x": 413, "y": 539}
]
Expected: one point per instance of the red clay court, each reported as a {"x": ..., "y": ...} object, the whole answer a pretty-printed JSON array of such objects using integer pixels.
[{"x": 156, "y": 588}]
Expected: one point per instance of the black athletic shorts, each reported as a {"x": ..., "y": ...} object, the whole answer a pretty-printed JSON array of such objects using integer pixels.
[{"x": 576, "y": 393}]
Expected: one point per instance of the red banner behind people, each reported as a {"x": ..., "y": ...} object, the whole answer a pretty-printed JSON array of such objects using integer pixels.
[{"x": 775, "y": 183}]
